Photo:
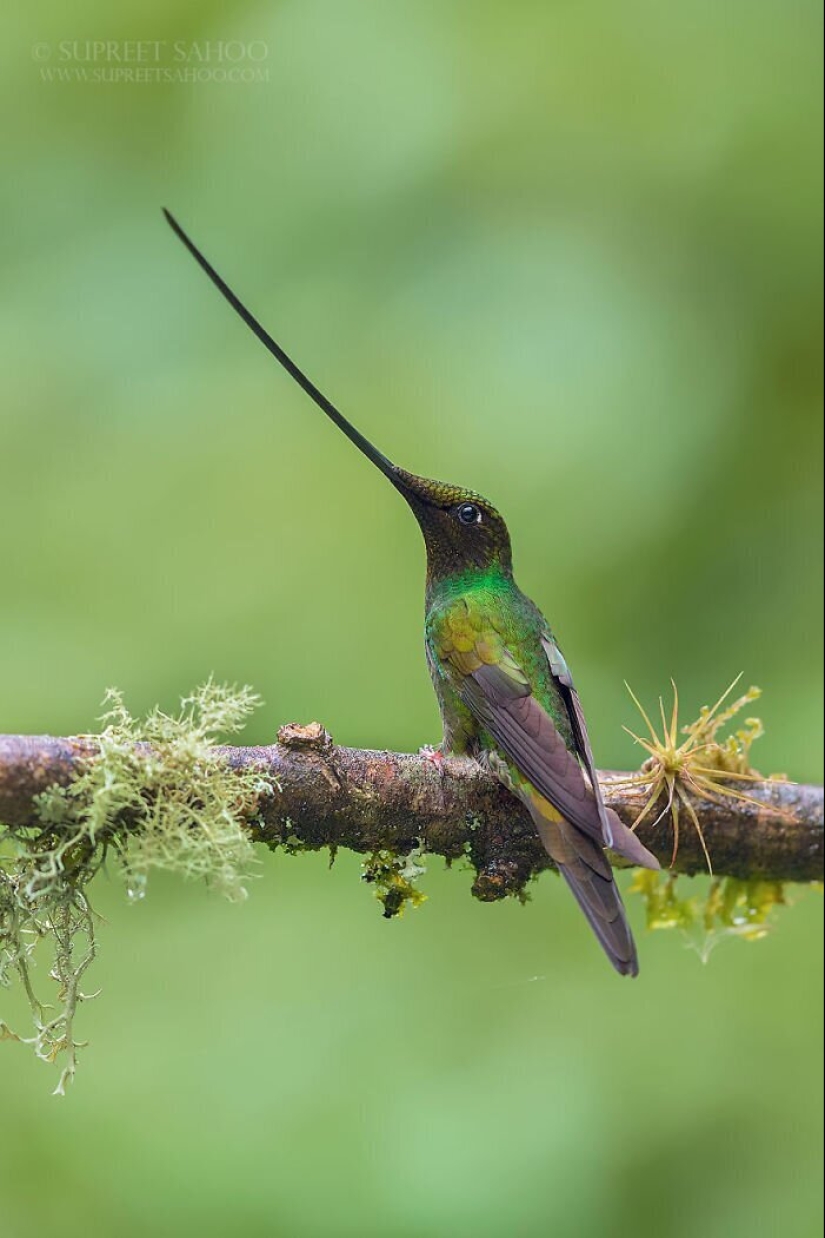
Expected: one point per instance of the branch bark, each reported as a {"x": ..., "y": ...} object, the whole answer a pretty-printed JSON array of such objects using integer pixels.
[{"x": 367, "y": 801}]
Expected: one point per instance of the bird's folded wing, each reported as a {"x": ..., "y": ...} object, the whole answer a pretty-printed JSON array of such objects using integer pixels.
[
  {"x": 499, "y": 696},
  {"x": 615, "y": 832},
  {"x": 561, "y": 673}
]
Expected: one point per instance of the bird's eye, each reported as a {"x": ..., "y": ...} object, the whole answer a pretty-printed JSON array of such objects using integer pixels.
[{"x": 468, "y": 513}]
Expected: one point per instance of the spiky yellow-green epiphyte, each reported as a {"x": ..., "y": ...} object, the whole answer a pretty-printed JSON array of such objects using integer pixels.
[{"x": 699, "y": 765}]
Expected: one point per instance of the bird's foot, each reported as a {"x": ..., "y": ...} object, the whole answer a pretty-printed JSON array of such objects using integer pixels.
[{"x": 434, "y": 755}]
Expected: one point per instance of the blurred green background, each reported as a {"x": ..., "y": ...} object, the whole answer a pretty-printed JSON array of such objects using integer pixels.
[{"x": 568, "y": 255}]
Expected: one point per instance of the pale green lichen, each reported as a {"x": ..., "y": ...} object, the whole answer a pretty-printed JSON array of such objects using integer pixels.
[
  {"x": 394, "y": 878},
  {"x": 151, "y": 796}
]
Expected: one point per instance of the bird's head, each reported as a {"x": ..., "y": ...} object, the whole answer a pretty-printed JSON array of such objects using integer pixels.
[{"x": 462, "y": 531}]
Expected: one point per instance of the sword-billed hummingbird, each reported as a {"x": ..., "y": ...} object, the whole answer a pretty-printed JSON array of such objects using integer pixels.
[{"x": 504, "y": 689}]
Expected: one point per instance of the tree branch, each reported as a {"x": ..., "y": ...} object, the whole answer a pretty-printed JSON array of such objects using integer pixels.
[{"x": 367, "y": 801}]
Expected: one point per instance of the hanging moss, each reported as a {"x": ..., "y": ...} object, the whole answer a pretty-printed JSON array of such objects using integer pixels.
[
  {"x": 150, "y": 797},
  {"x": 394, "y": 878},
  {"x": 730, "y": 908}
]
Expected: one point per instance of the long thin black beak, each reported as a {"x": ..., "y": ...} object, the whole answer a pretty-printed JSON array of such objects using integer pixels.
[{"x": 372, "y": 453}]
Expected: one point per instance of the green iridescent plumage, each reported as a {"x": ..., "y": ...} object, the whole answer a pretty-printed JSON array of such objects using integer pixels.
[{"x": 505, "y": 691}]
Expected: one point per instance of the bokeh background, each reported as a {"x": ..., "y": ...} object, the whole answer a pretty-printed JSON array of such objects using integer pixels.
[{"x": 568, "y": 255}]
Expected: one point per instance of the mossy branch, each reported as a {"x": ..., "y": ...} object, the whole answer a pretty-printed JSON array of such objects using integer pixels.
[
  {"x": 317, "y": 795},
  {"x": 160, "y": 793}
]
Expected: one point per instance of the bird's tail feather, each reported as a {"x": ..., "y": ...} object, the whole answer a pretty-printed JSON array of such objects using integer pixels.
[
  {"x": 601, "y": 902},
  {"x": 586, "y": 869}
]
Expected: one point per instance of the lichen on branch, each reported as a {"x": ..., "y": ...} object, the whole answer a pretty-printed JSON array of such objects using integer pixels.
[{"x": 148, "y": 795}]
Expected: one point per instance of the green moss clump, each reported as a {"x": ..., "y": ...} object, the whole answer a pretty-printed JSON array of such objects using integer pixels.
[
  {"x": 151, "y": 796},
  {"x": 665, "y": 909},
  {"x": 394, "y": 878},
  {"x": 731, "y": 908}
]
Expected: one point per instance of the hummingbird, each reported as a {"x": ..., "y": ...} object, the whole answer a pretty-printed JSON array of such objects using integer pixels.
[{"x": 504, "y": 689}]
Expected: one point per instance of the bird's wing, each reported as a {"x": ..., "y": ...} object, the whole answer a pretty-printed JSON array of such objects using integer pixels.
[
  {"x": 561, "y": 673},
  {"x": 496, "y": 690},
  {"x": 500, "y": 697},
  {"x": 474, "y": 657}
]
